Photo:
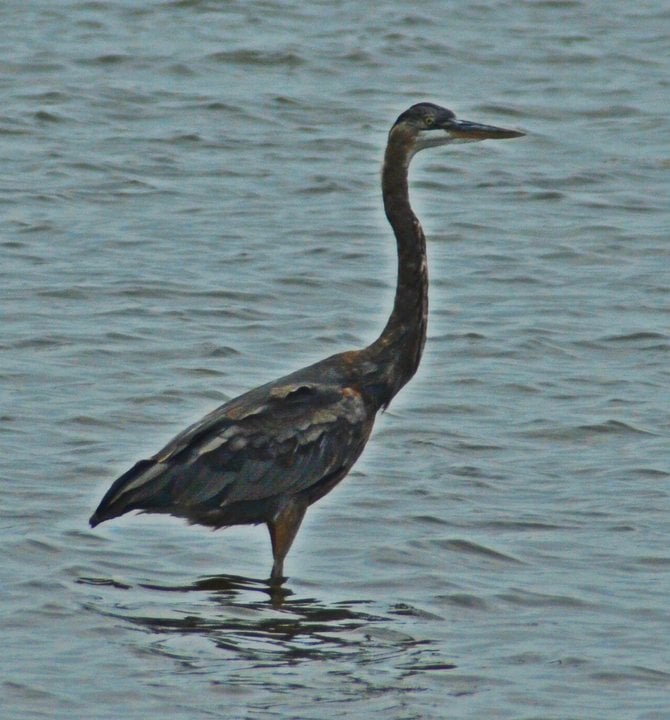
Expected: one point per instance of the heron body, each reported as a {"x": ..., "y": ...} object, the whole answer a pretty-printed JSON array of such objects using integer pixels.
[{"x": 268, "y": 454}]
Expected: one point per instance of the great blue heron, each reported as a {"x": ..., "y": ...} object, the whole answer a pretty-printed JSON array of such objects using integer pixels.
[{"x": 267, "y": 455}]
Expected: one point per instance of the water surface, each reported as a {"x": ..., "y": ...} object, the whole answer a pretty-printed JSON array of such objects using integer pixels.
[{"x": 191, "y": 207}]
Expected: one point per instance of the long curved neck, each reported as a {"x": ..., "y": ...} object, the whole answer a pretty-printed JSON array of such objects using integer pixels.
[{"x": 397, "y": 351}]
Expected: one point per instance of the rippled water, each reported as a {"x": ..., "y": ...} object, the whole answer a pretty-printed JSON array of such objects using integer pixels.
[{"x": 191, "y": 207}]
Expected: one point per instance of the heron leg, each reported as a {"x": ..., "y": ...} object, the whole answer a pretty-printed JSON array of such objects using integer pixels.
[{"x": 283, "y": 528}]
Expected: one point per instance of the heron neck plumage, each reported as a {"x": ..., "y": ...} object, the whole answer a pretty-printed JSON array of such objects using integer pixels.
[{"x": 397, "y": 351}]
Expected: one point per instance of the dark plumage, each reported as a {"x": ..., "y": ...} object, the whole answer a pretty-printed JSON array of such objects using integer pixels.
[{"x": 267, "y": 455}]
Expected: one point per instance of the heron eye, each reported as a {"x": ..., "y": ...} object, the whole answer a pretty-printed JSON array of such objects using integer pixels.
[{"x": 429, "y": 121}]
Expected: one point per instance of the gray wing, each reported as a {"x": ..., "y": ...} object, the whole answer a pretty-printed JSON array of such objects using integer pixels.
[{"x": 279, "y": 440}]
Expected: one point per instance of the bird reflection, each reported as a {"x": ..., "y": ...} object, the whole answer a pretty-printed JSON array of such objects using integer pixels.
[
  {"x": 230, "y": 586},
  {"x": 249, "y": 620},
  {"x": 252, "y": 617}
]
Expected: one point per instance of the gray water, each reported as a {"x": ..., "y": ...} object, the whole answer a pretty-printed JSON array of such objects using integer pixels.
[{"x": 190, "y": 207}]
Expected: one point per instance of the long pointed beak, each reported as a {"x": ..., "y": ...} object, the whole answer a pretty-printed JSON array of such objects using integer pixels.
[{"x": 465, "y": 130}]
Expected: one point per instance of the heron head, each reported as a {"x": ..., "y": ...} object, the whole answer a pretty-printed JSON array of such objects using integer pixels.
[{"x": 428, "y": 125}]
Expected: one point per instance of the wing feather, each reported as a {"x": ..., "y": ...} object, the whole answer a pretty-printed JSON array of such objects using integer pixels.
[{"x": 277, "y": 440}]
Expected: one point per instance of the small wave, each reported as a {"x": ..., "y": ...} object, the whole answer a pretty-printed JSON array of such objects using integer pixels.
[
  {"x": 524, "y": 526},
  {"x": 257, "y": 57},
  {"x": 531, "y": 599},
  {"x": 615, "y": 427},
  {"x": 635, "y": 337},
  {"x": 471, "y": 548},
  {"x": 107, "y": 59},
  {"x": 569, "y": 433}
]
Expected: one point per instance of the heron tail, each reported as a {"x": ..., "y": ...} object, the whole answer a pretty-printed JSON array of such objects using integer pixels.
[{"x": 140, "y": 488}]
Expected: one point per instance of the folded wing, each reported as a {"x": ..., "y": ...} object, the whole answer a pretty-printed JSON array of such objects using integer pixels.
[{"x": 238, "y": 462}]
